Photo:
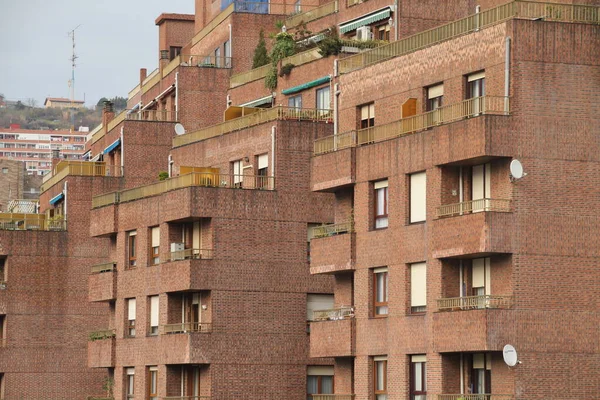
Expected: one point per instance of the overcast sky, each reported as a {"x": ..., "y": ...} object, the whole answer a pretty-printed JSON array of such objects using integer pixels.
[{"x": 115, "y": 39}]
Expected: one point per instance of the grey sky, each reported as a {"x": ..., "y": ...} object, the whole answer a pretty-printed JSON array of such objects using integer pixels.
[{"x": 115, "y": 40}]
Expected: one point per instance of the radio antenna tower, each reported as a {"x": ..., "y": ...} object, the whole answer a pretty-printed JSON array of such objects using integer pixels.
[{"x": 72, "y": 81}]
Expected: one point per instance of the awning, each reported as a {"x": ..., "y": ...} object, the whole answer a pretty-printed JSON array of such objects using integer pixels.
[
  {"x": 237, "y": 111},
  {"x": 258, "y": 102},
  {"x": 57, "y": 198},
  {"x": 87, "y": 155},
  {"x": 346, "y": 27},
  {"x": 307, "y": 85},
  {"x": 113, "y": 146}
]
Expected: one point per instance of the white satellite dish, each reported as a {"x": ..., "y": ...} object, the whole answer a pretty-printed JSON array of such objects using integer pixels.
[
  {"x": 516, "y": 169},
  {"x": 179, "y": 129},
  {"x": 510, "y": 355}
]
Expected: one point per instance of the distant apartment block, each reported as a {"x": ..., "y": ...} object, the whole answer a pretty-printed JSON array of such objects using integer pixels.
[{"x": 61, "y": 102}]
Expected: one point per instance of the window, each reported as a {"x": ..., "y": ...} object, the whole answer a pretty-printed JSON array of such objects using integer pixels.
[
  {"x": 383, "y": 32},
  {"x": 381, "y": 204},
  {"x": 295, "y": 101},
  {"x": 1, "y": 386},
  {"x": 481, "y": 373},
  {"x": 5, "y": 170},
  {"x": 316, "y": 302},
  {"x": 418, "y": 377},
  {"x": 418, "y": 197},
  {"x": 367, "y": 115},
  {"x": 227, "y": 51},
  {"x": 174, "y": 51},
  {"x": 218, "y": 57},
  {"x": 323, "y": 100},
  {"x": 236, "y": 167},
  {"x": 380, "y": 377},
  {"x": 319, "y": 380},
  {"x": 131, "y": 248},
  {"x": 2, "y": 270},
  {"x": 475, "y": 85},
  {"x": 310, "y": 235},
  {"x": 481, "y": 182},
  {"x": 130, "y": 383},
  {"x": 154, "y": 245},
  {"x": 434, "y": 97},
  {"x": 130, "y": 317},
  {"x": 262, "y": 180},
  {"x": 380, "y": 292},
  {"x": 153, "y": 383},
  {"x": 154, "y": 312},
  {"x": 481, "y": 269},
  {"x": 2, "y": 329},
  {"x": 418, "y": 287},
  {"x": 297, "y": 6}
]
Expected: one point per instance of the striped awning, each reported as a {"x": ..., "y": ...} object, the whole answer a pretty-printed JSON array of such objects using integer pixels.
[
  {"x": 113, "y": 146},
  {"x": 365, "y": 20},
  {"x": 57, "y": 198},
  {"x": 259, "y": 102},
  {"x": 307, "y": 85}
]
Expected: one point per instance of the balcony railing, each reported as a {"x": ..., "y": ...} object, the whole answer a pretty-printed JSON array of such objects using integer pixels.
[
  {"x": 308, "y": 16},
  {"x": 261, "y": 72},
  {"x": 474, "y": 302},
  {"x": 23, "y": 206},
  {"x": 187, "y": 327},
  {"x": 332, "y": 229},
  {"x": 105, "y": 199},
  {"x": 106, "y": 267},
  {"x": 186, "y": 398},
  {"x": 472, "y": 23},
  {"x": 100, "y": 398},
  {"x": 151, "y": 115},
  {"x": 474, "y": 397},
  {"x": 473, "y": 206},
  {"x": 209, "y": 61},
  {"x": 333, "y": 314},
  {"x": 257, "y": 118},
  {"x": 80, "y": 168},
  {"x": 30, "y": 222},
  {"x": 474, "y": 107},
  {"x": 103, "y": 334},
  {"x": 333, "y": 397},
  {"x": 192, "y": 254}
]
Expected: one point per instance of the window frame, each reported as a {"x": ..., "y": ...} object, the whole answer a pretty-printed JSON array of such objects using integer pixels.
[
  {"x": 383, "y": 273},
  {"x": 368, "y": 122},
  {"x": 154, "y": 253},
  {"x": 433, "y": 103},
  {"x": 130, "y": 330},
  {"x": 413, "y": 378},
  {"x": 309, "y": 396},
  {"x": 132, "y": 249},
  {"x": 411, "y": 185},
  {"x": 174, "y": 51},
  {"x": 3, "y": 263},
  {"x": 262, "y": 174},
  {"x": 295, "y": 101},
  {"x": 379, "y": 392},
  {"x": 320, "y": 97},
  {"x": 153, "y": 383},
  {"x": 130, "y": 383},
  {"x": 218, "y": 57},
  {"x": 237, "y": 179},
  {"x": 420, "y": 308},
  {"x": 153, "y": 329},
  {"x": 384, "y": 185}
]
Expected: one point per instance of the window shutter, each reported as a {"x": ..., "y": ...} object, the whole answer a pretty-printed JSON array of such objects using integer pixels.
[
  {"x": 418, "y": 197},
  {"x": 155, "y": 236},
  {"x": 320, "y": 370},
  {"x": 364, "y": 112},
  {"x": 154, "y": 311},
  {"x": 132, "y": 233},
  {"x": 380, "y": 184},
  {"x": 131, "y": 309},
  {"x": 478, "y": 361},
  {"x": 263, "y": 161},
  {"x": 435, "y": 91},
  {"x": 418, "y": 358},
  {"x": 418, "y": 284},
  {"x": 372, "y": 110},
  {"x": 476, "y": 76},
  {"x": 479, "y": 272}
]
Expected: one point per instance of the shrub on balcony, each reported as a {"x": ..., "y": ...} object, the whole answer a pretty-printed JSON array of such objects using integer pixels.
[{"x": 261, "y": 57}]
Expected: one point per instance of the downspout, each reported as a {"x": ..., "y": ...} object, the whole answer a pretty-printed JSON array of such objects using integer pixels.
[
  {"x": 336, "y": 113},
  {"x": 230, "y": 49},
  {"x": 507, "y": 76},
  {"x": 461, "y": 195},
  {"x": 273, "y": 132},
  {"x": 122, "y": 155},
  {"x": 65, "y": 200},
  {"x": 396, "y": 20},
  {"x": 462, "y": 374},
  {"x": 177, "y": 96}
]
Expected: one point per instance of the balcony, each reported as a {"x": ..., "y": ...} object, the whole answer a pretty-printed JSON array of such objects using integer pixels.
[
  {"x": 472, "y": 23},
  {"x": 101, "y": 349},
  {"x": 79, "y": 168},
  {"x": 474, "y": 397},
  {"x": 185, "y": 343},
  {"x": 102, "y": 282},
  {"x": 333, "y": 397},
  {"x": 333, "y": 170},
  {"x": 333, "y": 338},
  {"x": 151, "y": 115},
  {"x": 486, "y": 105},
  {"x": 311, "y": 15},
  {"x": 187, "y": 327},
  {"x": 332, "y": 248},
  {"x": 31, "y": 222},
  {"x": 474, "y": 303},
  {"x": 333, "y": 314},
  {"x": 468, "y": 207},
  {"x": 477, "y": 233},
  {"x": 186, "y": 398}
]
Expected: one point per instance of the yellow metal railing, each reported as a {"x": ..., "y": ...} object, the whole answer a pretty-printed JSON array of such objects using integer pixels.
[
  {"x": 213, "y": 24},
  {"x": 308, "y": 16},
  {"x": 192, "y": 254},
  {"x": 474, "y": 302},
  {"x": 468, "y": 108},
  {"x": 333, "y": 397},
  {"x": 333, "y": 314},
  {"x": 474, "y": 397},
  {"x": 260, "y": 72},
  {"x": 187, "y": 327},
  {"x": 105, "y": 267},
  {"x": 257, "y": 118},
  {"x": 332, "y": 229},
  {"x": 80, "y": 168},
  {"x": 151, "y": 115},
  {"x": 116, "y": 121},
  {"x": 473, "y": 206},
  {"x": 30, "y": 222},
  {"x": 515, "y": 9}
]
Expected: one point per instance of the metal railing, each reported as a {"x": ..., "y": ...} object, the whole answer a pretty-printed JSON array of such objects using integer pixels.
[
  {"x": 261, "y": 72},
  {"x": 332, "y": 229},
  {"x": 100, "y": 398},
  {"x": 81, "y": 168},
  {"x": 473, "y": 206},
  {"x": 23, "y": 206},
  {"x": 192, "y": 254},
  {"x": 187, "y": 327},
  {"x": 474, "y": 397},
  {"x": 308, "y": 16},
  {"x": 257, "y": 118},
  {"x": 102, "y": 334},
  {"x": 151, "y": 115},
  {"x": 515, "y": 9},
  {"x": 209, "y": 61},
  {"x": 105, "y": 267},
  {"x": 333, "y": 314},
  {"x": 474, "y": 302},
  {"x": 30, "y": 222},
  {"x": 485, "y": 105},
  {"x": 333, "y": 397}
]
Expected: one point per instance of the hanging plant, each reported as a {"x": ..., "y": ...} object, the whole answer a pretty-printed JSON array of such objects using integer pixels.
[
  {"x": 283, "y": 47},
  {"x": 271, "y": 78},
  {"x": 286, "y": 69}
]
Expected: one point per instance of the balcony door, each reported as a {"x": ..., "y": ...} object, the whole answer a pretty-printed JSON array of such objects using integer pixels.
[
  {"x": 481, "y": 374},
  {"x": 190, "y": 313},
  {"x": 481, "y": 187},
  {"x": 481, "y": 270}
]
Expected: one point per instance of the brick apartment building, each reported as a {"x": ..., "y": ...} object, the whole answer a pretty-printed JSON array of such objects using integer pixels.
[{"x": 370, "y": 193}]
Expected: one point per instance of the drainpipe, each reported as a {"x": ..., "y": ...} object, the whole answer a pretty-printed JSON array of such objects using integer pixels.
[
  {"x": 122, "y": 155},
  {"x": 462, "y": 374},
  {"x": 396, "y": 20},
  {"x": 273, "y": 132},
  {"x": 170, "y": 165},
  {"x": 507, "y": 75},
  {"x": 177, "y": 96},
  {"x": 336, "y": 113},
  {"x": 461, "y": 195},
  {"x": 230, "y": 48},
  {"x": 65, "y": 199}
]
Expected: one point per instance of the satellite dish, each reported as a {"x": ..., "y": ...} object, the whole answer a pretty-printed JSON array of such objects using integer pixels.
[
  {"x": 179, "y": 129},
  {"x": 516, "y": 169},
  {"x": 510, "y": 355}
]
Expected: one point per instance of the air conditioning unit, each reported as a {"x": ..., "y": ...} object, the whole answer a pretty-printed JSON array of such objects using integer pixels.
[
  {"x": 177, "y": 251},
  {"x": 364, "y": 33},
  {"x": 177, "y": 247}
]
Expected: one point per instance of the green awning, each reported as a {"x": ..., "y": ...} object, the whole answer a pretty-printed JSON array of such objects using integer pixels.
[
  {"x": 366, "y": 20},
  {"x": 259, "y": 102},
  {"x": 307, "y": 85}
]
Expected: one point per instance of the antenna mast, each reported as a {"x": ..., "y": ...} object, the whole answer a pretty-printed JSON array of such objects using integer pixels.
[{"x": 72, "y": 81}]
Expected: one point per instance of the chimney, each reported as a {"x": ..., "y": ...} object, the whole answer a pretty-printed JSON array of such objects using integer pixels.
[
  {"x": 143, "y": 75},
  {"x": 108, "y": 113},
  {"x": 55, "y": 159},
  {"x": 164, "y": 59}
]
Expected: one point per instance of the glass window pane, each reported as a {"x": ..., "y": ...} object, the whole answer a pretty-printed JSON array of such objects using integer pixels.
[
  {"x": 312, "y": 384},
  {"x": 327, "y": 384},
  {"x": 418, "y": 377}
]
